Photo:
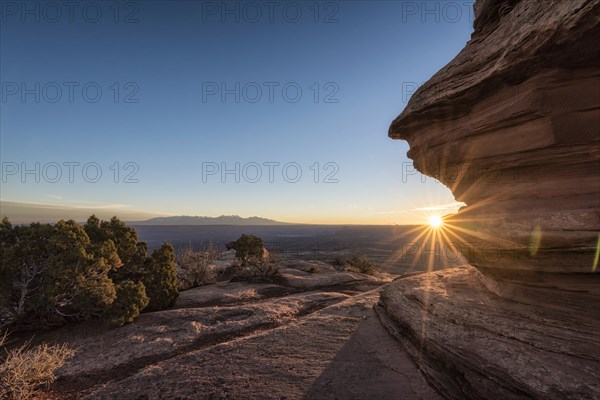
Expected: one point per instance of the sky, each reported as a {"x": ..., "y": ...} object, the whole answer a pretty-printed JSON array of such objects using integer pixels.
[{"x": 274, "y": 109}]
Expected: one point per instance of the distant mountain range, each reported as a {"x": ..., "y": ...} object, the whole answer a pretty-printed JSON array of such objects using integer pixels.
[{"x": 195, "y": 220}]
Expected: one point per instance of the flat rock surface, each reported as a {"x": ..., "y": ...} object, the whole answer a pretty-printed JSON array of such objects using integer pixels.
[
  {"x": 162, "y": 334},
  {"x": 301, "y": 280},
  {"x": 340, "y": 352},
  {"x": 224, "y": 293},
  {"x": 317, "y": 339}
]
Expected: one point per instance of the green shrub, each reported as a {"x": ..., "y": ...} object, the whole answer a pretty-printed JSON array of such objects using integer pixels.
[
  {"x": 160, "y": 279},
  {"x": 355, "y": 264},
  {"x": 362, "y": 265},
  {"x": 131, "y": 300},
  {"x": 53, "y": 274},
  {"x": 132, "y": 254},
  {"x": 247, "y": 247}
]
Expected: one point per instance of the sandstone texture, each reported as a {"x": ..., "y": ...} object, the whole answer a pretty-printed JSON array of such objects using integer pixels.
[
  {"x": 512, "y": 127},
  {"x": 310, "y": 336},
  {"x": 340, "y": 352},
  {"x": 471, "y": 343}
]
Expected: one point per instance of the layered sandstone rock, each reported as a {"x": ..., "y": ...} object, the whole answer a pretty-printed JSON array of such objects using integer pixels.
[
  {"x": 512, "y": 127},
  {"x": 472, "y": 344}
]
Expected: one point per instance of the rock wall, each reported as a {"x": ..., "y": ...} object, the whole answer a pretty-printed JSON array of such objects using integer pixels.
[{"x": 512, "y": 127}]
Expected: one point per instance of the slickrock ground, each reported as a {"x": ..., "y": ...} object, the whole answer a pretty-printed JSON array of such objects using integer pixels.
[
  {"x": 312, "y": 336},
  {"x": 512, "y": 127},
  {"x": 473, "y": 344}
]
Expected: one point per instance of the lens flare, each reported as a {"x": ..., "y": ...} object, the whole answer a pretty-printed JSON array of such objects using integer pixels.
[{"x": 435, "y": 221}]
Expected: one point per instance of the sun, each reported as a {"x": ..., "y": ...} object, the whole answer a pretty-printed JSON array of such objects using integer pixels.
[{"x": 435, "y": 221}]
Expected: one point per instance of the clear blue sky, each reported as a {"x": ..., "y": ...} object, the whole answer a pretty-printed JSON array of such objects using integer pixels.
[{"x": 172, "y": 56}]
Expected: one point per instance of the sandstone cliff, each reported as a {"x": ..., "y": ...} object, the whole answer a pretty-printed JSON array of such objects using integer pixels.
[{"x": 512, "y": 127}]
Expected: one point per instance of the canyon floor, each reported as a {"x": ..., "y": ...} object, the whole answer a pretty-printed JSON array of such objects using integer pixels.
[{"x": 310, "y": 336}]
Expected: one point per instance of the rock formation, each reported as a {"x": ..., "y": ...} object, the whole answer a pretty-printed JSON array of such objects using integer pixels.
[{"x": 512, "y": 127}]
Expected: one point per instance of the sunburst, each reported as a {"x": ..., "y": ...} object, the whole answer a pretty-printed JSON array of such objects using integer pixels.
[{"x": 435, "y": 221}]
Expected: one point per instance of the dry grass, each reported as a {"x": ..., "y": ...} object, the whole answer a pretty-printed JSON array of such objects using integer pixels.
[
  {"x": 196, "y": 268},
  {"x": 355, "y": 264},
  {"x": 257, "y": 271},
  {"x": 248, "y": 294},
  {"x": 282, "y": 312},
  {"x": 25, "y": 369}
]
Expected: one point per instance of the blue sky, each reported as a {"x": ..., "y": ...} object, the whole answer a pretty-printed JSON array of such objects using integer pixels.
[{"x": 162, "y": 115}]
